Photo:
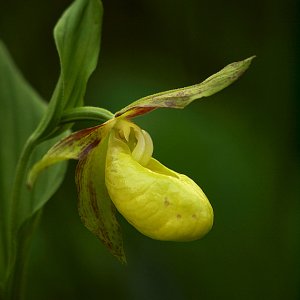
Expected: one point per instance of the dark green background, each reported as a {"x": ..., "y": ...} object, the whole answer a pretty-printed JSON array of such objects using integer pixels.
[{"x": 240, "y": 146}]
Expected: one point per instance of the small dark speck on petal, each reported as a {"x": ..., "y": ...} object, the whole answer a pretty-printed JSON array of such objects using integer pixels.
[
  {"x": 178, "y": 216},
  {"x": 166, "y": 202}
]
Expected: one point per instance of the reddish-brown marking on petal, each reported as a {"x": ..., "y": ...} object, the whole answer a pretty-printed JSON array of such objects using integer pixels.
[
  {"x": 93, "y": 200},
  {"x": 166, "y": 202},
  {"x": 89, "y": 148},
  {"x": 136, "y": 111},
  {"x": 81, "y": 133},
  {"x": 77, "y": 136}
]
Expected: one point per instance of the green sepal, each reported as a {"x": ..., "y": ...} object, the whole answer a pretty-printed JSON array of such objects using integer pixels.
[
  {"x": 180, "y": 98},
  {"x": 96, "y": 209}
]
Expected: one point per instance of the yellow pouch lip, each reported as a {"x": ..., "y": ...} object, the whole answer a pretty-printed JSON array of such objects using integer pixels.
[{"x": 157, "y": 201}]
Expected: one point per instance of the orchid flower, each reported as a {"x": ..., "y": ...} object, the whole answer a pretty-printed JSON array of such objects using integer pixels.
[{"x": 116, "y": 170}]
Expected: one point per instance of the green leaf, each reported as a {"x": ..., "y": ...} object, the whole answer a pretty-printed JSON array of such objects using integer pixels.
[
  {"x": 21, "y": 109},
  {"x": 77, "y": 37},
  {"x": 95, "y": 207},
  {"x": 180, "y": 98}
]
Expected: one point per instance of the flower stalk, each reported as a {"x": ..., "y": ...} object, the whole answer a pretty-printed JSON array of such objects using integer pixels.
[
  {"x": 86, "y": 113},
  {"x": 19, "y": 248},
  {"x": 19, "y": 244}
]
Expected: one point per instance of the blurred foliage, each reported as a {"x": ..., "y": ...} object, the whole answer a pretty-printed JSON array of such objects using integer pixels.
[{"x": 240, "y": 146}]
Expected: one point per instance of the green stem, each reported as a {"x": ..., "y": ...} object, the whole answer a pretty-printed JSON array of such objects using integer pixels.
[
  {"x": 86, "y": 113},
  {"x": 19, "y": 241},
  {"x": 17, "y": 281},
  {"x": 19, "y": 244}
]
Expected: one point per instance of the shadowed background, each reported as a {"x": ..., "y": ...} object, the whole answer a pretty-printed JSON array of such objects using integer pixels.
[{"x": 240, "y": 146}]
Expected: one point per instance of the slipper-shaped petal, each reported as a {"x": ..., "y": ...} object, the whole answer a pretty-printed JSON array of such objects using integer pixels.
[{"x": 157, "y": 201}]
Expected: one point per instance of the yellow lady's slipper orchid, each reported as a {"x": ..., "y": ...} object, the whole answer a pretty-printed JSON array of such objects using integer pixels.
[
  {"x": 116, "y": 169},
  {"x": 157, "y": 201},
  {"x": 116, "y": 166}
]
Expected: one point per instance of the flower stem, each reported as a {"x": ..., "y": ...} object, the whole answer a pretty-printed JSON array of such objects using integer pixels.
[
  {"x": 20, "y": 236},
  {"x": 17, "y": 280},
  {"x": 86, "y": 113},
  {"x": 19, "y": 241}
]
